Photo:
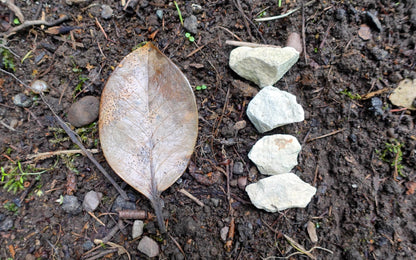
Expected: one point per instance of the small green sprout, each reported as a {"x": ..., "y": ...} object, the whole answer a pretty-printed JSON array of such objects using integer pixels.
[
  {"x": 10, "y": 206},
  {"x": 16, "y": 21},
  {"x": 202, "y": 87},
  {"x": 14, "y": 179},
  {"x": 7, "y": 59},
  {"x": 393, "y": 154},
  {"x": 179, "y": 12},
  {"x": 350, "y": 95},
  {"x": 190, "y": 37}
]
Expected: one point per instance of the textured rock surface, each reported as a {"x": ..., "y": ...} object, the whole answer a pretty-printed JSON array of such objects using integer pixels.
[
  {"x": 137, "y": 229},
  {"x": 148, "y": 247},
  {"x": 275, "y": 154},
  {"x": 263, "y": 65},
  {"x": 280, "y": 192},
  {"x": 71, "y": 205},
  {"x": 272, "y": 108}
]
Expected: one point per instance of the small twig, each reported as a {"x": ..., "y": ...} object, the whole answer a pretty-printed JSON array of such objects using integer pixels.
[
  {"x": 12, "y": 75},
  {"x": 102, "y": 254},
  {"x": 195, "y": 51},
  {"x": 230, "y": 32},
  {"x": 263, "y": 19},
  {"x": 133, "y": 214},
  {"x": 27, "y": 24},
  {"x": 247, "y": 20},
  {"x": 107, "y": 238},
  {"x": 192, "y": 197},
  {"x": 97, "y": 219},
  {"x": 248, "y": 44},
  {"x": 305, "y": 54},
  {"x": 43, "y": 156},
  {"x": 102, "y": 30},
  {"x": 326, "y": 135},
  {"x": 177, "y": 245},
  {"x": 7, "y": 126}
]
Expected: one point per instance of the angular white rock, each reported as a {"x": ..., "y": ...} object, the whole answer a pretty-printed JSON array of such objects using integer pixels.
[
  {"x": 275, "y": 154},
  {"x": 263, "y": 65},
  {"x": 280, "y": 192},
  {"x": 91, "y": 201},
  {"x": 272, "y": 108},
  {"x": 137, "y": 229},
  {"x": 148, "y": 247}
]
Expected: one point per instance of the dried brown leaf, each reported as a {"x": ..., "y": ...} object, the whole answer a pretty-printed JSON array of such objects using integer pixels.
[{"x": 148, "y": 123}]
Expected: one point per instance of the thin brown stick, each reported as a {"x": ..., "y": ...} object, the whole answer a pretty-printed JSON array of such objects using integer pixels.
[
  {"x": 192, "y": 197},
  {"x": 102, "y": 254},
  {"x": 248, "y": 44},
  {"x": 230, "y": 32},
  {"x": 177, "y": 245},
  {"x": 195, "y": 51},
  {"x": 326, "y": 135},
  {"x": 97, "y": 219}
]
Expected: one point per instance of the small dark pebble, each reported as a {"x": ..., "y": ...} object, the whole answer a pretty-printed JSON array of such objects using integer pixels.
[
  {"x": 88, "y": 245},
  {"x": 238, "y": 168},
  {"x": 374, "y": 21},
  {"x": 352, "y": 138},
  {"x": 159, "y": 14},
  {"x": 377, "y": 106},
  {"x": 379, "y": 54},
  {"x": 191, "y": 24},
  {"x": 120, "y": 204},
  {"x": 71, "y": 205}
]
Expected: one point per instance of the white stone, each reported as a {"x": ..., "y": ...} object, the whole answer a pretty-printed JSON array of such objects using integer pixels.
[
  {"x": 272, "y": 108},
  {"x": 148, "y": 247},
  {"x": 92, "y": 200},
  {"x": 263, "y": 65},
  {"x": 137, "y": 229},
  {"x": 275, "y": 154},
  {"x": 280, "y": 192}
]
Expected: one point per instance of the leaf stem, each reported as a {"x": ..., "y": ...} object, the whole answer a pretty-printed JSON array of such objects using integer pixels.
[{"x": 157, "y": 206}]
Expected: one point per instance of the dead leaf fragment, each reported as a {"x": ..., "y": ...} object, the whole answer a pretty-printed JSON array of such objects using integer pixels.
[
  {"x": 148, "y": 123},
  {"x": 364, "y": 32},
  {"x": 405, "y": 94},
  {"x": 312, "y": 232}
]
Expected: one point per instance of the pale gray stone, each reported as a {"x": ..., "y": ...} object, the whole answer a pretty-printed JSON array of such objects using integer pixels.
[
  {"x": 137, "y": 229},
  {"x": 272, "y": 108},
  {"x": 91, "y": 201},
  {"x": 71, "y": 205},
  {"x": 106, "y": 12},
  {"x": 280, "y": 192},
  {"x": 191, "y": 24},
  {"x": 275, "y": 154},
  {"x": 148, "y": 247},
  {"x": 263, "y": 65}
]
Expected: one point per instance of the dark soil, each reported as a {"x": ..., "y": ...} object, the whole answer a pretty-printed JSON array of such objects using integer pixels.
[{"x": 361, "y": 210}]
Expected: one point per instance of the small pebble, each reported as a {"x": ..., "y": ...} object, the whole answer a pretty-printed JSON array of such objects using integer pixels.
[
  {"x": 233, "y": 183},
  {"x": 71, "y": 205},
  {"x": 196, "y": 8},
  {"x": 21, "y": 100},
  {"x": 159, "y": 14},
  {"x": 106, "y": 12},
  {"x": 252, "y": 174},
  {"x": 88, "y": 245},
  {"x": 84, "y": 111},
  {"x": 312, "y": 232},
  {"x": 242, "y": 182},
  {"x": 148, "y": 247},
  {"x": 240, "y": 125},
  {"x": 395, "y": 77},
  {"x": 376, "y": 106},
  {"x": 294, "y": 41},
  {"x": 120, "y": 204},
  {"x": 238, "y": 168},
  {"x": 191, "y": 24},
  {"x": 6, "y": 224},
  {"x": 224, "y": 233},
  {"x": 215, "y": 201},
  {"x": 91, "y": 201},
  {"x": 39, "y": 86},
  {"x": 354, "y": 186},
  {"x": 352, "y": 138},
  {"x": 390, "y": 133},
  {"x": 137, "y": 229},
  {"x": 30, "y": 257},
  {"x": 379, "y": 54}
]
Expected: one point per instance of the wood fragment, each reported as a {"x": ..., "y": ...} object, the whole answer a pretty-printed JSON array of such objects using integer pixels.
[
  {"x": 133, "y": 214},
  {"x": 230, "y": 237},
  {"x": 375, "y": 93},
  {"x": 326, "y": 135},
  {"x": 192, "y": 197},
  {"x": 312, "y": 232},
  {"x": 27, "y": 24}
]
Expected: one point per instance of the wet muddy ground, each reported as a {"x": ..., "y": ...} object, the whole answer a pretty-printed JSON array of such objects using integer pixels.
[{"x": 359, "y": 155}]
